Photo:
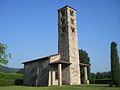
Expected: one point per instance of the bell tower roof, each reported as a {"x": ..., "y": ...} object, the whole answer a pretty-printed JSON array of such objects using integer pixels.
[{"x": 66, "y": 7}]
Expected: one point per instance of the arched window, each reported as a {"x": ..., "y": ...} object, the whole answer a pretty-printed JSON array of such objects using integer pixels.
[
  {"x": 73, "y": 29},
  {"x": 63, "y": 13},
  {"x": 72, "y": 21},
  {"x": 71, "y": 13},
  {"x": 62, "y": 21}
]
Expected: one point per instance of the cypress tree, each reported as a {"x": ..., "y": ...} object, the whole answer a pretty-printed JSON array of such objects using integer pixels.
[{"x": 115, "y": 67}]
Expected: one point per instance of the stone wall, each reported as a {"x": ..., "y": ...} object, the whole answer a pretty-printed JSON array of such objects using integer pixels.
[
  {"x": 73, "y": 49},
  {"x": 36, "y": 73},
  {"x": 68, "y": 45},
  {"x": 66, "y": 75}
]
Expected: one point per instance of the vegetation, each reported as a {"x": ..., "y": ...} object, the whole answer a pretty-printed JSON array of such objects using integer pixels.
[
  {"x": 101, "y": 78},
  {"x": 10, "y": 76},
  {"x": 103, "y": 75},
  {"x": 3, "y": 55},
  {"x": 84, "y": 58},
  {"x": 8, "y": 69},
  {"x": 8, "y": 79},
  {"x": 21, "y": 71},
  {"x": 115, "y": 68},
  {"x": 83, "y": 87}
]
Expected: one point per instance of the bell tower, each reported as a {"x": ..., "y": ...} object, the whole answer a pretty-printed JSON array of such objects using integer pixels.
[{"x": 68, "y": 44}]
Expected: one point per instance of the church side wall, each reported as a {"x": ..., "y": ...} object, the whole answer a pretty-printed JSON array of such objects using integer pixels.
[{"x": 36, "y": 73}]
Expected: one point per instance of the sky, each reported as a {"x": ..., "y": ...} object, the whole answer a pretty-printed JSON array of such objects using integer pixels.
[{"x": 30, "y": 29}]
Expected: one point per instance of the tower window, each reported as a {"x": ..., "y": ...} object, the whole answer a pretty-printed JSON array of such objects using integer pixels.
[
  {"x": 72, "y": 21},
  {"x": 73, "y": 29},
  {"x": 63, "y": 13},
  {"x": 71, "y": 13},
  {"x": 62, "y": 21}
]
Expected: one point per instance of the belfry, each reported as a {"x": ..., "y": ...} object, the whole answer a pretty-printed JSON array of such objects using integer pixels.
[
  {"x": 68, "y": 44},
  {"x": 62, "y": 68}
]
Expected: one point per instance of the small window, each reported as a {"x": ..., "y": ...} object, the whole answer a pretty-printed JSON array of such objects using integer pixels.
[
  {"x": 73, "y": 29},
  {"x": 56, "y": 75},
  {"x": 62, "y": 13},
  {"x": 72, "y": 21},
  {"x": 71, "y": 13},
  {"x": 62, "y": 21}
]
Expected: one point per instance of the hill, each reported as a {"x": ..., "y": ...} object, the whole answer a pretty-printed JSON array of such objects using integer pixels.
[{"x": 8, "y": 69}]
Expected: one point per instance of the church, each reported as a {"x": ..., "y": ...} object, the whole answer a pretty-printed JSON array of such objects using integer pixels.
[{"x": 62, "y": 68}]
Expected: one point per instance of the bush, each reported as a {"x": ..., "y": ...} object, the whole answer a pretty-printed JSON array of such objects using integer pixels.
[
  {"x": 19, "y": 82},
  {"x": 10, "y": 76},
  {"x": 10, "y": 79},
  {"x": 7, "y": 82},
  {"x": 103, "y": 81},
  {"x": 92, "y": 81},
  {"x": 4, "y": 82}
]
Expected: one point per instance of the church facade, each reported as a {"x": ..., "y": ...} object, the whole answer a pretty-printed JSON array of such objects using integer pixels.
[{"x": 62, "y": 68}]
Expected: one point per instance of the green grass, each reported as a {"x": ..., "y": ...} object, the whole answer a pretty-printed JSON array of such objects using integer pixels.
[
  {"x": 83, "y": 87},
  {"x": 7, "y": 79},
  {"x": 10, "y": 76}
]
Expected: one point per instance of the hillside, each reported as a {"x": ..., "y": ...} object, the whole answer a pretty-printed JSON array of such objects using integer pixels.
[
  {"x": 10, "y": 76},
  {"x": 8, "y": 69}
]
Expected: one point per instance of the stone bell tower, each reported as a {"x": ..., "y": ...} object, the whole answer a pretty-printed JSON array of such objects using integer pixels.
[{"x": 68, "y": 45}]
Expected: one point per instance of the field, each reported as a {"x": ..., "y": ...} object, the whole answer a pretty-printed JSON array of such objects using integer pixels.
[
  {"x": 83, "y": 87},
  {"x": 10, "y": 76},
  {"x": 7, "y": 82},
  {"x": 7, "y": 79}
]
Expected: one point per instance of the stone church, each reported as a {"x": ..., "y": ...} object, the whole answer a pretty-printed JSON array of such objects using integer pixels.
[{"x": 62, "y": 68}]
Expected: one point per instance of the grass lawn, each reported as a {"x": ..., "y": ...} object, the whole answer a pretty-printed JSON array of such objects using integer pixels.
[
  {"x": 10, "y": 76},
  {"x": 82, "y": 87}
]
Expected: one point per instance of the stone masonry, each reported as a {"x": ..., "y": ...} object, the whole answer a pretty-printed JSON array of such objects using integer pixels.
[
  {"x": 62, "y": 68},
  {"x": 68, "y": 44}
]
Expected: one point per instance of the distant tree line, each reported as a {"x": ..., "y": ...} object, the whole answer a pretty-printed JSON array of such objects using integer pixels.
[{"x": 101, "y": 75}]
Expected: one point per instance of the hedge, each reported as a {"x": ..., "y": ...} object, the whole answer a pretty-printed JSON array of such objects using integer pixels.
[
  {"x": 4, "y": 82},
  {"x": 103, "y": 81}
]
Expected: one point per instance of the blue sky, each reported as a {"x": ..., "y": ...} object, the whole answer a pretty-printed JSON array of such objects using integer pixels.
[{"x": 29, "y": 28}]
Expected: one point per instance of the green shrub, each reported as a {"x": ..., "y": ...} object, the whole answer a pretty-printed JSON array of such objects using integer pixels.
[
  {"x": 10, "y": 79},
  {"x": 19, "y": 82},
  {"x": 7, "y": 82},
  {"x": 10, "y": 76},
  {"x": 103, "y": 81}
]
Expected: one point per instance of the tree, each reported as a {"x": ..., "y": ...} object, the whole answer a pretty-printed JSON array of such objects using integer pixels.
[
  {"x": 83, "y": 57},
  {"x": 21, "y": 71},
  {"x": 92, "y": 78},
  {"x": 115, "y": 68},
  {"x": 3, "y": 55}
]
